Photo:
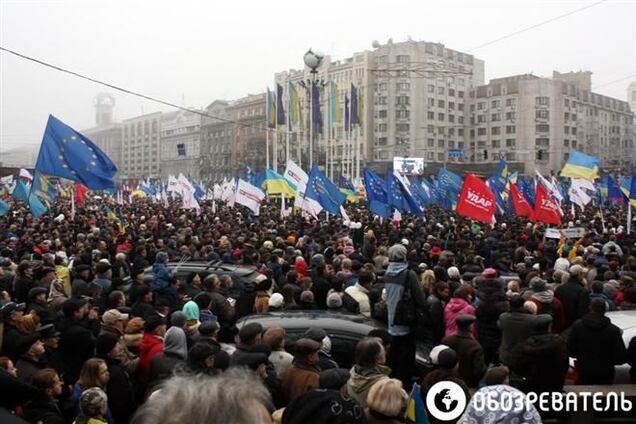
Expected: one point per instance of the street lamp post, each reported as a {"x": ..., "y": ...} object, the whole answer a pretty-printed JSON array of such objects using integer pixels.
[{"x": 313, "y": 60}]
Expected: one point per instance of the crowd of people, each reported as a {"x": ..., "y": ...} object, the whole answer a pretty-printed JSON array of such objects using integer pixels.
[{"x": 99, "y": 326}]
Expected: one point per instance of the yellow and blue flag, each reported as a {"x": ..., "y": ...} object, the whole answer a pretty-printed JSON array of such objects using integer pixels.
[
  {"x": 580, "y": 165},
  {"x": 68, "y": 154},
  {"x": 277, "y": 184},
  {"x": 415, "y": 409}
]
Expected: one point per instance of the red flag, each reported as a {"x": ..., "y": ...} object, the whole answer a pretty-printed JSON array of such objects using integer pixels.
[
  {"x": 546, "y": 209},
  {"x": 476, "y": 200},
  {"x": 80, "y": 194},
  {"x": 522, "y": 207}
]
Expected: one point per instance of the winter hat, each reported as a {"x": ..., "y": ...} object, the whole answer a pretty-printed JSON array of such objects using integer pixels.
[
  {"x": 434, "y": 355},
  {"x": 200, "y": 352},
  {"x": 447, "y": 358},
  {"x": 178, "y": 319},
  {"x": 397, "y": 253},
  {"x": 307, "y": 296},
  {"x": 152, "y": 322},
  {"x": 463, "y": 321},
  {"x": 538, "y": 285},
  {"x": 93, "y": 402},
  {"x": 334, "y": 301},
  {"x": 175, "y": 342},
  {"x": 105, "y": 343},
  {"x": 191, "y": 310},
  {"x": 489, "y": 273},
  {"x": 334, "y": 378},
  {"x": 276, "y": 300}
]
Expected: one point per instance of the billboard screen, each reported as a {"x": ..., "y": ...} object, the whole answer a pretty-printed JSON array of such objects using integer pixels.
[{"x": 408, "y": 166}]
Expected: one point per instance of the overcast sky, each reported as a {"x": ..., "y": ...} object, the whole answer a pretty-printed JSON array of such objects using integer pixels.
[{"x": 205, "y": 50}]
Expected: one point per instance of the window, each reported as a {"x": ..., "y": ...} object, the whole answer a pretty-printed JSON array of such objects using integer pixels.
[
  {"x": 440, "y": 157},
  {"x": 510, "y": 116},
  {"x": 402, "y": 127},
  {"x": 511, "y": 129},
  {"x": 460, "y": 119},
  {"x": 566, "y": 143},
  {"x": 402, "y": 100},
  {"x": 440, "y": 90},
  {"x": 566, "y": 116},
  {"x": 431, "y": 88},
  {"x": 542, "y": 155},
  {"x": 460, "y": 132},
  {"x": 495, "y": 130},
  {"x": 510, "y": 142},
  {"x": 382, "y": 86},
  {"x": 451, "y": 118},
  {"x": 441, "y": 103},
  {"x": 430, "y": 115},
  {"x": 481, "y": 118},
  {"x": 431, "y": 142},
  {"x": 573, "y": 131},
  {"x": 481, "y": 131},
  {"x": 494, "y": 117},
  {"x": 496, "y": 144},
  {"x": 382, "y": 113},
  {"x": 402, "y": 58},
  {"x": 402, "y": 114},
  {"x": 384, "y": 155},
  {"x": 440, "y": 143},
  {"x": 430, "y": 155},
  {"x": 542, "y": 128},
  {"x": 510, "y": 102},
  {"x": 430, "y": 129},
  {"x": 481, "y": 105},
  {"x": 542, "y": 142},
  {"x": 451, "y": 105},
  {"x": 542, "y": 101},
  {"x": 460, "y": 94},
  {"x": 430, "y": 101},
  {"x": 440, "y": 116},
  {"x": 403, "y": 86},
  {"x": 382, "y": 127},
  {"x": 451, "y": 92},
  {"x": 382, "y": 100},
  {"x": 543, "y": 114},
  {"x": 460, "y": 106},
  {"x": 495, "y": 103},
  {"x": 566, "y": 130},
  {"x": 382, "y": 141}
]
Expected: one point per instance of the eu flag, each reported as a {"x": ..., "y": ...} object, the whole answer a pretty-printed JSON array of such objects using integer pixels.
[
  {"x": 419, "y": 192},
  {"x": 344, "y": 182},
  {"x": 400, "y": 197},
  {"x": 375, "y": 187},
  {"x": 68, "y": 154},
  {"x": 323, "y": 191}
]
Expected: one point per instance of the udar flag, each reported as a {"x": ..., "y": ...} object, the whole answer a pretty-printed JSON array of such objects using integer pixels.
[
  {"x": 476, "y": 200},
  {"x": 546, "y": 209},
  {"x": 249, "y": 196},
  {"x": 521, "y": 205}
]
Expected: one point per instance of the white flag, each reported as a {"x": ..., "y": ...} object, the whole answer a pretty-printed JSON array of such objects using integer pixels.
[
  {"x": 552, "y": 189},
  {"x": 295, "y": 175},
  {"x": 218, "y": 192},
  {"x": 577, "y": 194},
  {"x": 173, "y": 184},
  {"x": 249, "y": 196}
]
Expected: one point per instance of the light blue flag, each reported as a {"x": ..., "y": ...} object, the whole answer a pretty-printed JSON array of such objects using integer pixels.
[
  {"x": 4, "y": 208},
  {"x": 68, "y": 154},
  {"x": 20, "y": 192},
  {"x": 323, "y": 191},
  {"x": 36, "y": 206}
]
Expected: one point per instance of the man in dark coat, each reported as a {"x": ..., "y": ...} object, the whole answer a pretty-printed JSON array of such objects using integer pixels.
[
  {"x": 516, "y": 326},
  {"x": 320, "y": 286},
  {"x": 597, "y": 345},
  {"x": 469, "y": 352},
  {"x": 37, "y": 303},
  {"x": 121, "y": 395},
  {"x": 543, "y": 358},
  {"x": 435, "y": 304},
  {"x": 492, "y": 303},
  {"x": 574, "y": 298},
  {"x": 249, "y": 336},
  {"x": 24, "y": 282},
  {"x": 304, "y": 374},
  {"x": 79, "y": 287},
  {"x": 77, "y": 341}
]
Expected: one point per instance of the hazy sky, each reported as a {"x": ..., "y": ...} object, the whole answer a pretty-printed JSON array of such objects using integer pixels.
[{"x": 204, "y": 50}]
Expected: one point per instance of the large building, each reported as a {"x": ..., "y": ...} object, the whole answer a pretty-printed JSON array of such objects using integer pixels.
[
  {"x": 217, "y": 139},
  {"x": 536, "y": 122},
  {"x": 180, "y": 144},
  {"x": 140, "y": 148},
  {"x": 107, "y": 134},
  {"x": 249, "y": 134},
  {"x": 412, "y": 103}
]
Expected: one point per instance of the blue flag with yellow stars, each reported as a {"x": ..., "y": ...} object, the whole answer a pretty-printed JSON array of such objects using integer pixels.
[
  {"x": 68, "y": 154},
  {"x": 375, "y": 187},
  {"x": 323, "y": 191}
]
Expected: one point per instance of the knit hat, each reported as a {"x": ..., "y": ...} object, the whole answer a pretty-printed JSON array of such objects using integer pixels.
[
  {"x": 434, "y": 355},
  {"x": 447, "y": 358},
  {"x": 152, "y": 322},
  {"x": 334, "y": 378},
  {"x": 276, "y": 300},
  {"x": 397, "y": 253},
  {"x": 105, "y": 343},
  {"x": 178, "y": 319},
  {"x": 306, "y": 346},
  {"x": 334, "y": 301},
  {"x": 307, "y": 296}
]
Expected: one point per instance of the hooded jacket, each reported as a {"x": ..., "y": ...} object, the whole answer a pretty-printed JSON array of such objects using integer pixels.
[
  {"x": 396, "y": 282},
  {"x": 598, "y": 346},
  {"x": 543, "y": 360},
  {"x": 149, "y": 347},
  {"x": 175, "y": 352},
  {"x": 362, "y": 379},
  {"x": 455, "y": 307}
]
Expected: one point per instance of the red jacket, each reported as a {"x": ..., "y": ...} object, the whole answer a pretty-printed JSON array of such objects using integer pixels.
[
  {"x": 149, "y": 347},
  {"x": 557, "y": 312}
]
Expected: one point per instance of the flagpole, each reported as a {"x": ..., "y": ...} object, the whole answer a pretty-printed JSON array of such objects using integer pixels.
[
  {"x": 311, "y": 119},
  {"x": 289, "y": 124},
  {"x": 267, "y": 146}
]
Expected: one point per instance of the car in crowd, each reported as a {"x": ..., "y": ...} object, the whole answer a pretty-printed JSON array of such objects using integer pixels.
[
  {"x": 626, "y": 321},
  {"x": 241, "y": 274},
  {"x": 344, "y": 329}
]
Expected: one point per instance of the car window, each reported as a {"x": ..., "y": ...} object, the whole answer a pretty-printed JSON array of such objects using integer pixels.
[{"x": 343, "y": 350}]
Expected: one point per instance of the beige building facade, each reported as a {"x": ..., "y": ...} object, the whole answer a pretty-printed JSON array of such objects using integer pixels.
[{"x": 140, "y": 147}]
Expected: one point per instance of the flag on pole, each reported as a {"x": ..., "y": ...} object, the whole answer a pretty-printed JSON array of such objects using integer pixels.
[
  {"x": 249, "y": 196},
  {"x": 270, "y": 109},
  {"x": 294, "y": 106},
  {"x": 323, "y": 191},
  {"x": 476, "y": 200},
  {"x": 376, "y": 192},
  {"x": 546, "y": 209},
  {"x": 521, "y": 205},
  {"x": 550, "y": 187},
  {"x": 415, "y": 408},
  {"x": 277, "y": 184},
  {"x": 315, "y": 105},
  {"x": 354, "y": 105},
  {"x": 79, "y": 191},
  {"x": 580, "y": 165},
  {"x": 280, "y": 111}
]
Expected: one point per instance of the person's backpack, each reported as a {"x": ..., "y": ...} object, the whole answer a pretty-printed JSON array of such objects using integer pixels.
[
  {"x": 350, "y": 304},
  {"x": 405, "y": 310}
]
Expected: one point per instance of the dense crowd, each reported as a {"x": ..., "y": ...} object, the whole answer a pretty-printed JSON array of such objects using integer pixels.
[{"x": 98, "y": 328}]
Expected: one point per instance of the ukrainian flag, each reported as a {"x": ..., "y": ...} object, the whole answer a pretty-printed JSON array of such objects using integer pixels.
[
  {"x": 415, "y": 409},
  {"x": 277, "y": 184},
  {"x": 628, "y": 187},
  {"x": 580, "y": 165}
]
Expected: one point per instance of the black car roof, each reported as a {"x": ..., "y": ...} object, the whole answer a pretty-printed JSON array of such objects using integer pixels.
[{"x": 331, "y": 322}]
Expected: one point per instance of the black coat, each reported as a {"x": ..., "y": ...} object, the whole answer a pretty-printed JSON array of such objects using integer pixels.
[
  {"x": 543, "y": 361},
  {"x": 598, "y": 346},
  {"x": 320, "y": 288},
  {"x": 435, "y": 310},
  {"x": 487, "y": 313},
  {"x": 121, "y": 395},
  {"x": 77, "y": 344},
  {"x": 515, "y": 327},
  {"x": 470, "y": 356},
  {"x": 14, "y": 392},
  {"x": 46, "y": 314},
  {"x": 575, "y": 300},
  {"x": 221, "y": 308},
  {"x": 11, "y": 340},
  {"x": 21, "y": 286},
  {"x": 44, "y": 412},
  {"x": 163, "y": 365}
]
